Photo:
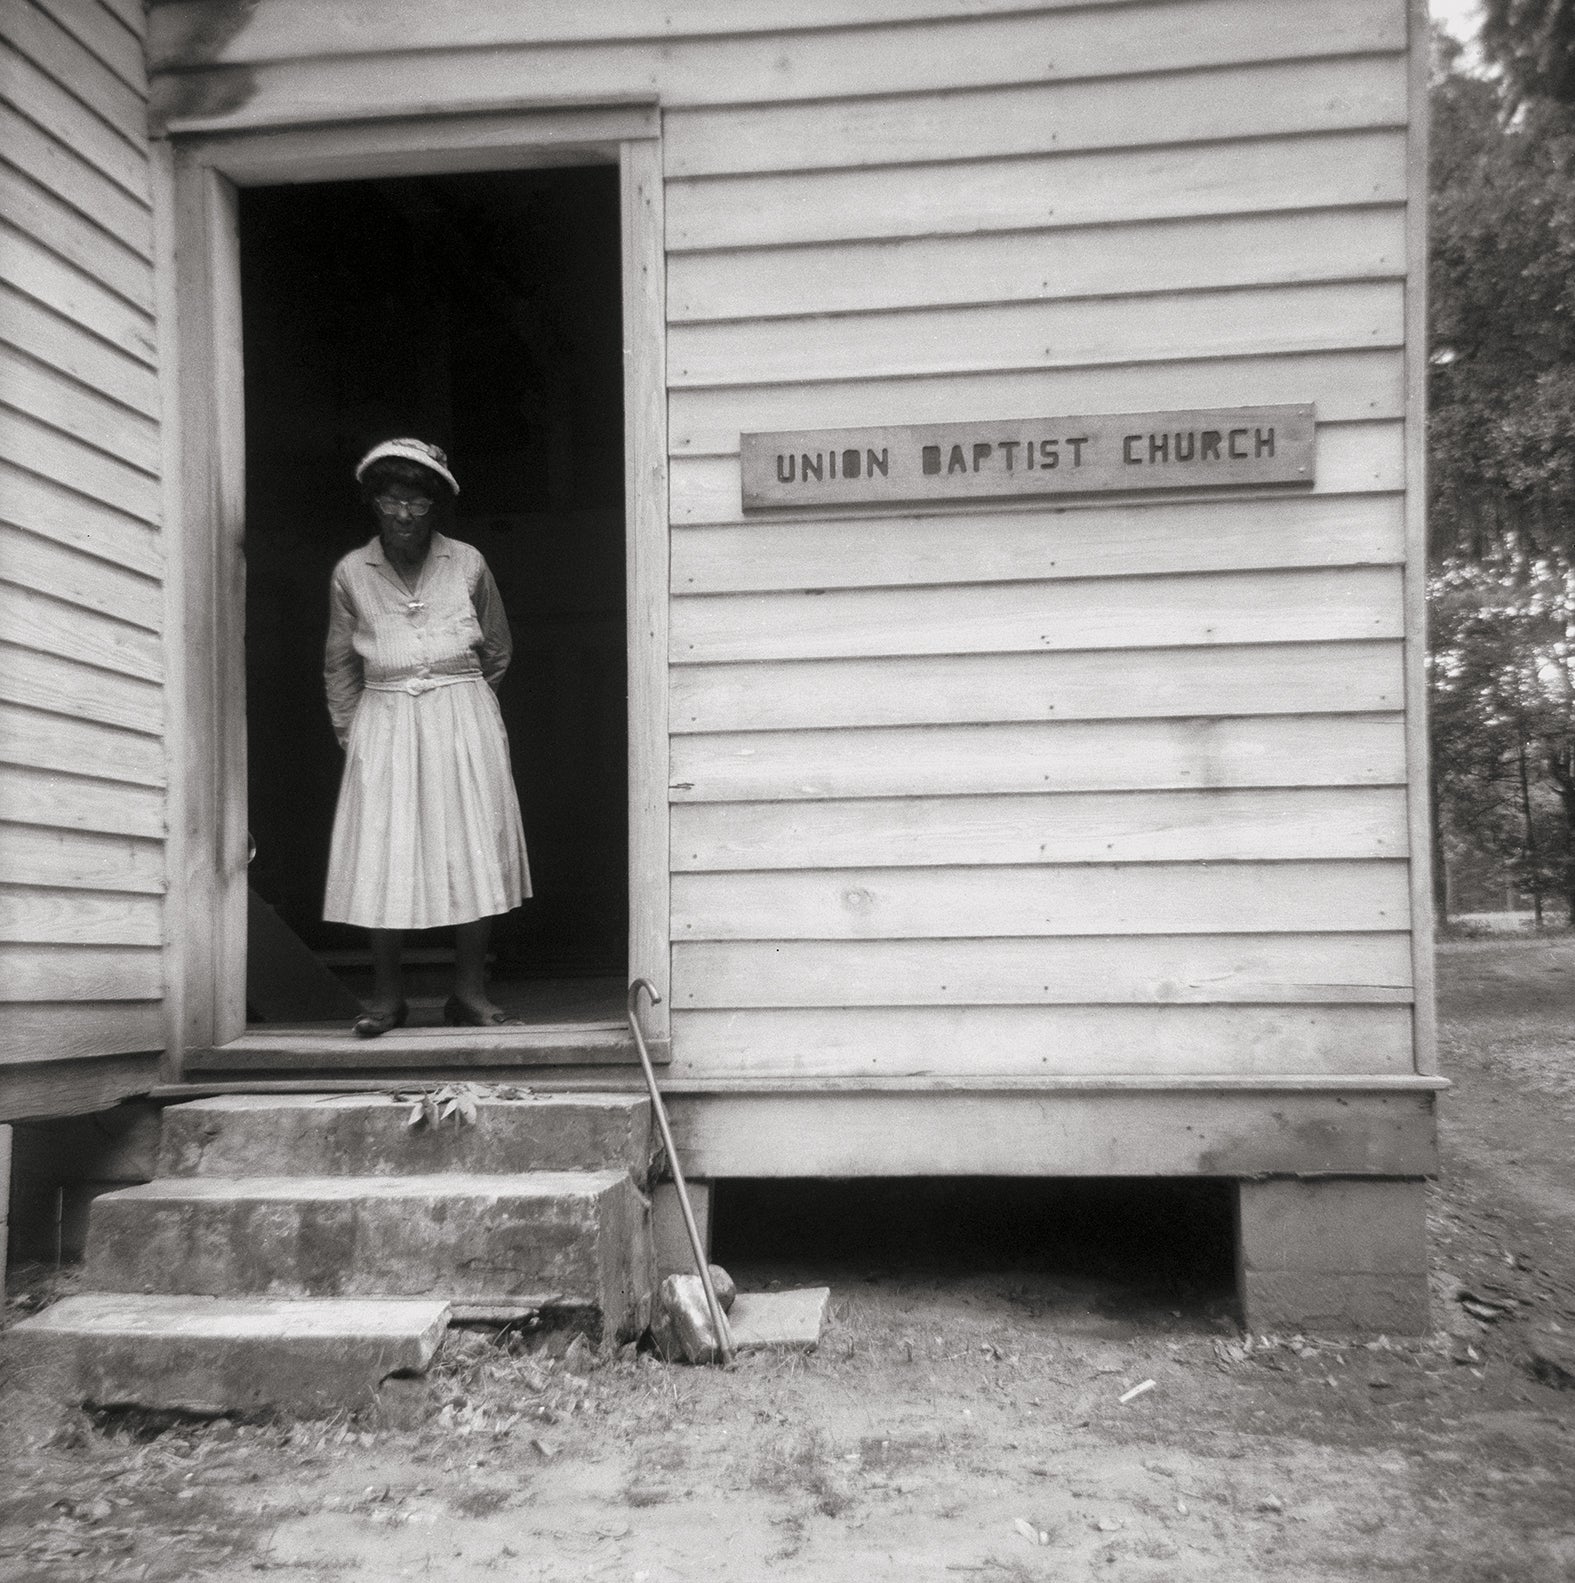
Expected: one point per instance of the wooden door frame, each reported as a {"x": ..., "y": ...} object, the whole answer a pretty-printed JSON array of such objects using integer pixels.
[{"x": 197, "y": 181}]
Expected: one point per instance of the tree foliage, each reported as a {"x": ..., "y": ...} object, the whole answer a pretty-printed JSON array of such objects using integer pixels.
[{"x": 1533, "y": 43}]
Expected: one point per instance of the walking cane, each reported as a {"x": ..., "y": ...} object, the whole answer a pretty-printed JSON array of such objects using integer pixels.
[{"x": 724, "y": 1336}]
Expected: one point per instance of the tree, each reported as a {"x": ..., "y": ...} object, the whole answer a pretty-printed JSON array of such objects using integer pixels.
[{"x": 1533, "y": 43}]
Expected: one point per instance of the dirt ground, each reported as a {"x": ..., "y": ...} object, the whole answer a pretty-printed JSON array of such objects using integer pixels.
[{"x": 962, "y": 1418}]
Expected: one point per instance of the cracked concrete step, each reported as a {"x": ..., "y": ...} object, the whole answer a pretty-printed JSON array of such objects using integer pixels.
[
  {"x": 224, "y": 1354},
  {"x": 371, "y": 1135},
  {"x": 488, "y": 1242}
]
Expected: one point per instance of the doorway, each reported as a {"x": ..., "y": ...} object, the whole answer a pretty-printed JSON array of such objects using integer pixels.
[{"x": 481, "y": 311}]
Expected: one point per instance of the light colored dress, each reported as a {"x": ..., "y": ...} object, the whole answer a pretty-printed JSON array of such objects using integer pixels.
[{"x": 428, "y": 829}]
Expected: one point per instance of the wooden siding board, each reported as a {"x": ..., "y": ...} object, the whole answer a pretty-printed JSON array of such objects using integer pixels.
[
  {"x": 34, "y": 739},
  {"x": 761, "y": 67},
  {"x": 74, "y": 860},
  {"x": 62, "y": 170},
  {"x": 78, "y": 973},
  {"x": 83, "y": 468},
  {"x": 105, "y": 36},
  {"x": 33, "y": 33},
  {"x": 1060, "y": 756},
  {"x": 1193, "y": 254},
  {"x": 1347, "y": 386},
  {"x": 61, "y": 685},
  {"x": 180, "y": 31},
  {"x": 1353, "y": 458},
  {"x": 75, "y": 295},
  {"x": 1321, "y": 604},
  {"x": 1055, "y": 970},
  {"x": 1001, "y": 1040},
  {"x": 1040, "y": 191},
  {"x": 1201, "y": 826},
  {"x": 50, "y": 626},
  {"x": 38, "y": 214},
  {"x": 1039, "y": 544},
  {"x": 61, "y": 403},
  {"x": 33, "y": 915},
  {"x": 1291, "y": 678},
  {"x": 67, "y": 1034},
  {"x": 78, "y": 802},
  {"x": 1253, "y": 321},
  {"x": 77, "y": 523},
  {"x": 1042, "y": 899},
  {"x": 55, "y": 339},
  {"x": 50, "y": 107},
  {"x": 1260, "y": 100},
  {"x": 30, "y": 561}
]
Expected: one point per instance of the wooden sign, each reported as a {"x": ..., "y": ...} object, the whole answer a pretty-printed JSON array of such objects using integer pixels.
[{"x": 1209, "y": 448}]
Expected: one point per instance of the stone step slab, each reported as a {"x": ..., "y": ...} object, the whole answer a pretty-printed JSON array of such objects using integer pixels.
[
  {"x": 371, "y": 1135},
  {"x": 576, "y": 1240},
  {"x": 224, "y": 1355}
]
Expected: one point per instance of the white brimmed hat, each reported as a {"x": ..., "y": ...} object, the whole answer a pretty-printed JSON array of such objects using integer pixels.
[{"x": 418, "y": 451}]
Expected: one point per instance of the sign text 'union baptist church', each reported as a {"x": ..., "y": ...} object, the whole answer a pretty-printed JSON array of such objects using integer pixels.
[{"x": 1206, "y": 448}]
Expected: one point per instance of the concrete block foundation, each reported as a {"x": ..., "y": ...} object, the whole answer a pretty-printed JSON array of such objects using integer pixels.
[{"x": 1333, "y": 1255}]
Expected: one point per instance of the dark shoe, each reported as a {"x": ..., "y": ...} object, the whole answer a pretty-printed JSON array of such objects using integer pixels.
[
  {"x": 373, "y": 1024},
  {"x": 461, "y": 1014}
]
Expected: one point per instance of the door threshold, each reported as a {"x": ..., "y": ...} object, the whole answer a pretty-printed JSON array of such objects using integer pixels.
[{"x": 318, "y": 1048}]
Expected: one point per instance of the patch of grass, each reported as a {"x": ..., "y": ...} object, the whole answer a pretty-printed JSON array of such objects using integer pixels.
[{"x": 804, "y": 1464}]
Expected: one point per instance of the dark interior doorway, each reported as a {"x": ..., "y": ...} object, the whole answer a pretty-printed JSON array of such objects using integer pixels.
[{"x": 482, "y": 312}]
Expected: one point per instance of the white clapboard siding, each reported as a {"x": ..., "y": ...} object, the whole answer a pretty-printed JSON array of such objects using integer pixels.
[
  {"x": 1352, "y": 458},
  {"x": 181, "y": 30},
  {"x": 52, "y": 626},
  {"x": 84, "y": 468},
  {"x": 72, "y": 1030},
  {"x": 40, "y": 564},
  {"x": 34, "y": 34},
  {"x": 79, "y": 802},
  {"x": 52, "y": 337},
  {"x": 33, "y": 211},
  {"x": 1045, "y": 971},
  {"x": 34, "y": 915},
  {"x": 53, "y": 107},
  {"x": 71, "y": 178},
  {"x": 1259, "y": 100},
  {"x": 73, "y": 860},
  {"x": 76, "y": 522},
  {"x": 82, "y": 711},
  {"x": 108, "y": 38},
  {"x": 1039, "y": 543},
  {"x": 1119, "y": 755},
  {"x": 48, "y": 278},
  {"x": 83, "y": 692},
  {"x": 1018, "y": 266},
  {"x": 963, "y": 689},
  {"x": 1091, "y": 827},
  {"x": 1057, "y": 190},
  {"x": 1137, "y": 898},
  {"x": 1329, "y": 604},
  {"x": 1345, "y": 386},
  {"x": 400, "y": 57},
  {"x": 1066, "y": 1040},
  {"x": 60, "y": 402},
  {"x": 1001, "y": 336},
  {"x": 78, "y": 972},
  {"x": 32, "y": 738}
]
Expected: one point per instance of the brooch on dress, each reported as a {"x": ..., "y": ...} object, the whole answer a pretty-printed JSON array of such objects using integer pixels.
[{"x": 413, "y": 605}]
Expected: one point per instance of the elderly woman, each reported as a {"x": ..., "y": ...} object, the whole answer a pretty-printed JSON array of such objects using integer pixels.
[{"x": 428, "y": 828}]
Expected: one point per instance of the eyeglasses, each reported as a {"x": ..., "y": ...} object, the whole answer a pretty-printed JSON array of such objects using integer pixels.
[{"x": 389, "y": 506}]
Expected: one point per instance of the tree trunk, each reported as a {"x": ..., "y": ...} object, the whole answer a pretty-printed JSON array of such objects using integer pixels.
[{"x": 1533, "y": 865}]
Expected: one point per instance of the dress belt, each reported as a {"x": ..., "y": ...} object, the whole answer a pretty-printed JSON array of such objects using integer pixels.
[{"x": 416, "y": 685}]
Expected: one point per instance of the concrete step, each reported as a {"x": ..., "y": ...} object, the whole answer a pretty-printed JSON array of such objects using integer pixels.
[
  {"x": 212, "y": 1354},
  {"x": 371, "y": 1135},
  {"x": 489, "y": 1244}
]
